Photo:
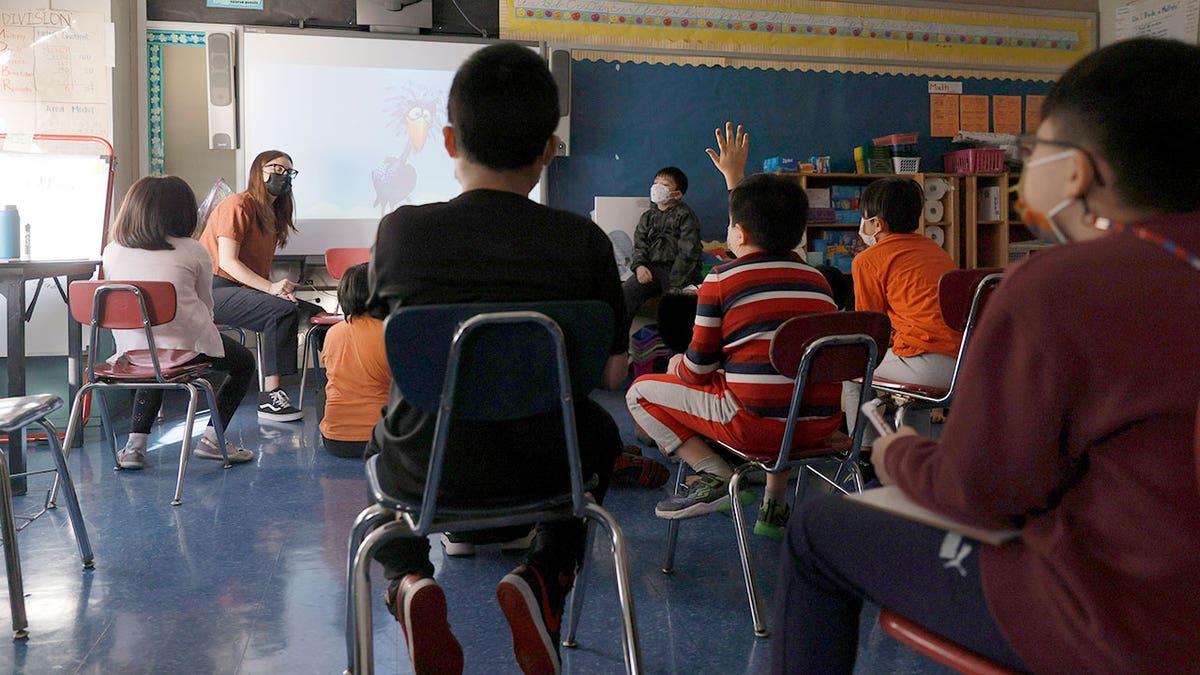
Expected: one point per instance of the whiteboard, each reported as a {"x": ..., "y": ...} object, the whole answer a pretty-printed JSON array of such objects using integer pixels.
[
  {"x": 62, "y": 198},
  {"x": 361, "y": 116}
]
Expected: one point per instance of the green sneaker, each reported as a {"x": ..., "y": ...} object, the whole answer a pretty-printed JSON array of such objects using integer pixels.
[
  {"x": 709, "y": 493},
  {"x": 746, "y": 496},
  {"x": 772, "y": 518}
]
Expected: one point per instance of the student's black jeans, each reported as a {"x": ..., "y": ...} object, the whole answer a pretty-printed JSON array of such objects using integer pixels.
[
  {"x": 838, "y": 553},
  {"x": 238, "y": 363}
]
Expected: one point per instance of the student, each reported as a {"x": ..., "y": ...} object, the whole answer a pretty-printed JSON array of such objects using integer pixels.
[
  {"x": 1074, "y": 422},
  {"x": 666, "y": 243},
  {"x": 492, "y": 244},
  {"x": 357, "y": 370},
  {"x": 724, "y": 387},
  {"x": 241, "y": 237},
  {"x": 898, "y": 275},
  {"x": 151, "y": 241}
]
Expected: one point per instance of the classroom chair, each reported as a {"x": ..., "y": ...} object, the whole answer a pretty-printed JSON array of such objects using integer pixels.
[
  {"x": 337, "y": 261},
  {"x": 133, "y": 305},
  {"x": 830, "y": 347},
  {"x": 16, "y": 413},
  {"x": 939, "y": 648},
  {"x": 487, "y": 362},
  {"x": 962, "y": 295}
]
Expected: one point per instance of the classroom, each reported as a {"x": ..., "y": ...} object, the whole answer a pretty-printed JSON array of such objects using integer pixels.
[{"x": 334, "y": 226}]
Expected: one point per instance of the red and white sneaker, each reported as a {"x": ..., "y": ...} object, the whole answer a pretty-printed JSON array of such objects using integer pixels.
[
  {"x": 420, "y": 606},
  {"x": 533, "y": 607}
]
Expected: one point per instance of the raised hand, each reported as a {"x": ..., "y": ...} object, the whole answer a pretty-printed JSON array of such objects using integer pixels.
[{"x": 733, "y": 147}]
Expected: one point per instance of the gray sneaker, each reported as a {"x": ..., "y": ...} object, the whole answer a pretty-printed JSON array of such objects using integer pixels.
[
  {"x": 131, "y": 457},
  {"x": 708, "y": 494},
  {"x": 210, "y": 450}
]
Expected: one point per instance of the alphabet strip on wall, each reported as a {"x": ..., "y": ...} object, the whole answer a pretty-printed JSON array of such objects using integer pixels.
[{"x": 809, "y": 29}]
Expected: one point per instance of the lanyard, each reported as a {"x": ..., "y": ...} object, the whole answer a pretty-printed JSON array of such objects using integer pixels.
[{"x": 1165, "y": 244}]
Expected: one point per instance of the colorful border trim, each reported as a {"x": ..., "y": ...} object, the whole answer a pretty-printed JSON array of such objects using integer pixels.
[
  {"x": 155, "y": 39},
  {"x": 855, "y": 34},
  {"x": 793, "y": 23}
]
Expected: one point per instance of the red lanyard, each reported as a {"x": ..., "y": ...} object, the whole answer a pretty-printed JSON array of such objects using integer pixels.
[{"x": 1165, "y": 244}]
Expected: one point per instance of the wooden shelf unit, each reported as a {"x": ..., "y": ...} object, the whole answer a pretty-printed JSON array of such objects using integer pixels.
[{"x": 951, "y": 222}]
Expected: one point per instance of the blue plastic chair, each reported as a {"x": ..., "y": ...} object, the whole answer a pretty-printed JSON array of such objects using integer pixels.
[{"x": 487, "y": 362}]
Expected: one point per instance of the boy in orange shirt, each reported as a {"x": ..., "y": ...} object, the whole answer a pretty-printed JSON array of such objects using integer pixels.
[{"x": 898, "y": 275}]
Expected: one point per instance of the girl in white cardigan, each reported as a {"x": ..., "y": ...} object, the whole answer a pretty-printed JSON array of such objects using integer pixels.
[{"x": 151, "y": 241}]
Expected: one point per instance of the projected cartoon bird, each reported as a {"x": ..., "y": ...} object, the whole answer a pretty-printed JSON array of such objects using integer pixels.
[{"x": 416, "y": 117}]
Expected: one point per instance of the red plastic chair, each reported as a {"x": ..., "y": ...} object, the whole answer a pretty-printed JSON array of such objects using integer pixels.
[
  {"x": 133, "y": 305},
  {"x": 337, "y": 261},
  {"x": 830, "y": 347},
  {"x": 962, "y": 295},
  {"x": 939, "y": 648}
]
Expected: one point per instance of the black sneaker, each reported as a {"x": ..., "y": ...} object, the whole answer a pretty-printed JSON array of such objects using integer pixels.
[
  {"x": 275, "y": 406},
  {"x": 533, "y": 606}
]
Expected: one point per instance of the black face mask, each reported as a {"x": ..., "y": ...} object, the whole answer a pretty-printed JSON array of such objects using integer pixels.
[{"x": 279, "y": 184}]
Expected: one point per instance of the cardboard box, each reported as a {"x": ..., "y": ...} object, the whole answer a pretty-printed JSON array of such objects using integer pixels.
[
  {"x": 818, "y": 198},
  {"x": 845, "y": 197},
  {"x": 821, "y": 215},
  {"x": 847, "y": 216}
]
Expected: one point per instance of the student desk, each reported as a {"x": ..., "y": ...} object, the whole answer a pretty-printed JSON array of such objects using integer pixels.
[{"x": 13, "y": 275}]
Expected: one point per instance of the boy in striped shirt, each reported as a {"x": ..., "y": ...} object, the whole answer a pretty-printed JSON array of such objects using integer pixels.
[{"x": 724, "y": 386}]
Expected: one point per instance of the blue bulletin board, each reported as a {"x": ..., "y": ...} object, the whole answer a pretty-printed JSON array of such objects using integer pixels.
[{"x": 630, "y": 119}]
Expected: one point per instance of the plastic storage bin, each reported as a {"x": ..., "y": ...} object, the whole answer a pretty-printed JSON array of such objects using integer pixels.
[
  {"x": 974, "y": 160},
  {"x": 906, "y": 164}
]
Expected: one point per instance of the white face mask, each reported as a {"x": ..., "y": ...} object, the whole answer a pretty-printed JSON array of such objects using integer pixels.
[
  {"x": 868, "y": 239},
  {"x": 660, "y": 194}
]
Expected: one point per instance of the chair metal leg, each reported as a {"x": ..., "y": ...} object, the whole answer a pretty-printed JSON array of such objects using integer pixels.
[
  {"x": 360, "y": 590},
  {"x": 367, "y": 520},
  {"x": 12, "y": 557},
  {"x": 308, "y": 347},
  {"x": 73, "y": 512},
  {"x": 258, "y": 350},
  {"x": 757, "y": 612},
  {"x": 668, "y": 566},
  {"x": 579, "y": 590},
  {"x": 106, "y": 426},
  {"x": 74, "y": 433},
  {"x": 217, "y": 425},
  {"x": 629, "y": 641},
  {"x": 186, "y": 451}
]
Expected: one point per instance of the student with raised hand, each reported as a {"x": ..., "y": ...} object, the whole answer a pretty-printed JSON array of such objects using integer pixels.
[
  {"x": 898, "y": 275},
  {"x": 1075, "y": 422},
  {"x": 151, "y": 240},
  {"x": 493, "y": 244},
  {"x": 356, "y": 368},
  {"x": 241, "y": 236},
  {"x": 723, "y": 387}
]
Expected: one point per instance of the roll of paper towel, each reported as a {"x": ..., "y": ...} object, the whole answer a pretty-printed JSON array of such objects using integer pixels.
[
  {"x": 936, "y": 233},
  {"x": 934, "y": 211},
  {"x": 936, "y": 188}
]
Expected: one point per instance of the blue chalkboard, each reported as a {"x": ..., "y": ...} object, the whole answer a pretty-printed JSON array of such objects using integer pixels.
[{"x": 628, "y": 120}]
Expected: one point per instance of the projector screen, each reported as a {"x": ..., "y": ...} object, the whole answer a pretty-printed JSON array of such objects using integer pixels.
[{"x": 361, "y": 117}]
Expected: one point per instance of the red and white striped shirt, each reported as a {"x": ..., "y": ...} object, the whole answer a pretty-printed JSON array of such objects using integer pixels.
[{"x": 739, "y": 307}]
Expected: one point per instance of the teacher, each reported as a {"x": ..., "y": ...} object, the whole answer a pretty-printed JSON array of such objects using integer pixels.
[{"x": 241, "y": 237}]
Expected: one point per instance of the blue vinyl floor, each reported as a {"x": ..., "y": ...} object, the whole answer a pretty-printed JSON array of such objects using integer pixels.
[{"x": 247, "y": 575}]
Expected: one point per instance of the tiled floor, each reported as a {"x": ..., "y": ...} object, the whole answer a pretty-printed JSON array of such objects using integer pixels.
[{"x": 246, "y": 576}]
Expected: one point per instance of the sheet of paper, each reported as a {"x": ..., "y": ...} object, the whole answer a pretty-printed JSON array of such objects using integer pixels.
[
  {"x": 618, "y": 217},
  {"x": 943, "y": 115},
  {"x": 975, "y": 113},
  {"x": 891, "y": 500},
  {"x": 1033, "y": 113},
  {"x": 1006, "y": 115},
  {"x": 1155, "y": 18}
]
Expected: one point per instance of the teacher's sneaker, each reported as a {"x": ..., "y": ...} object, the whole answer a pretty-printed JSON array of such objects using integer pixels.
[{"x": 275, "y": 406}]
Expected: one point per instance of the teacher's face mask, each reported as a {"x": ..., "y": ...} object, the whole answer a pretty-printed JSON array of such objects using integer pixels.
[{"x": 278, "y": 184}]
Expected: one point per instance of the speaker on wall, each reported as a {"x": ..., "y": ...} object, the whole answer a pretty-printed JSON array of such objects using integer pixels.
[
  {"x": 560, "y": 68},
  {"x": 222, "y": 98}
]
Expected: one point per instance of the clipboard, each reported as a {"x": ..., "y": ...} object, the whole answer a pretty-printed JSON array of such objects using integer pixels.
[{"x": 891, "y": 500}]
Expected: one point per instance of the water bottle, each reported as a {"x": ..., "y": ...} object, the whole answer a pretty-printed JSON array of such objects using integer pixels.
[{"x": 10, "y": 232}]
